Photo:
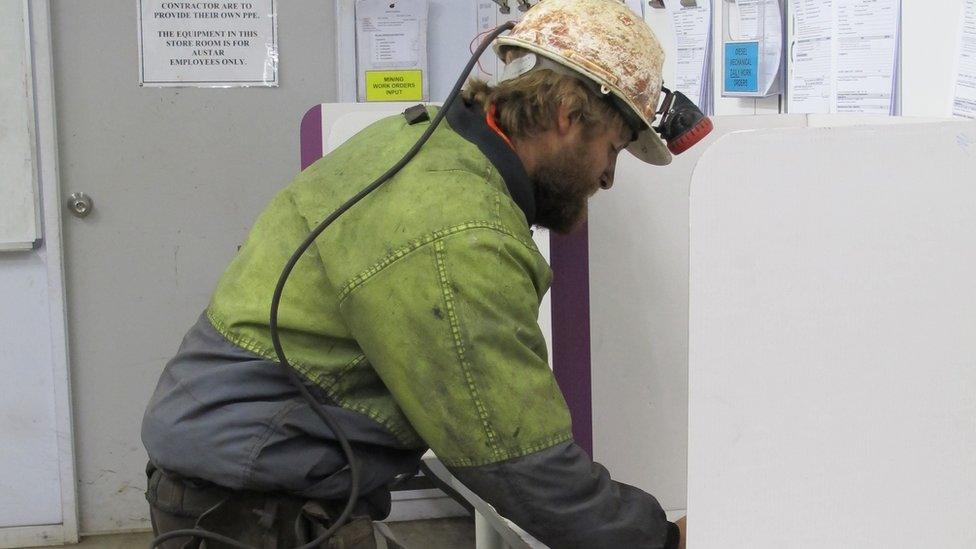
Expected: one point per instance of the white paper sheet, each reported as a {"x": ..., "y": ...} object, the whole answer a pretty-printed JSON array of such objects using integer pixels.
[
  {"x": 864, "y": 54},
  {"x": 489, "y": 18},
  {"x": 692, "y": 30},
  {"x": 809, "y": 90},
  {"x": 391, "y": 37},
  {"x": 208, "y": 44},
  {"x": 845, "y": 56},
  {"x": 758, "y": 26},
  {"x": 964, "y": 97},
  {"x": 745, "y": 19},
  {"x": 772, "y": 33}
]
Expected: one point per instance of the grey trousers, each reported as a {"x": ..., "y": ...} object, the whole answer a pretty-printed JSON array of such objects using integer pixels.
[{"x": 262, "y": 521}]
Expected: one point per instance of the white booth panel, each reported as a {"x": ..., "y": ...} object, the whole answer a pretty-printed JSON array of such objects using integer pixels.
[
  {"x": 832, "y": 354},
  {"x": 638, "y": 234}
]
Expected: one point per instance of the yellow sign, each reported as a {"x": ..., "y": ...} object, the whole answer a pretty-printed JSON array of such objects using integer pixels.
[{"x": 395, "y": 85}]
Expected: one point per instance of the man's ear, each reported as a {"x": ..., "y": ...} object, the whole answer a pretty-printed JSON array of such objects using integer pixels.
[{"x": 564, "y": 120}]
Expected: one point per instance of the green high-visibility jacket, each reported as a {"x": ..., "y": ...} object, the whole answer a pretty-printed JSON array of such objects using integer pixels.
[{"x": 418, "y": 307}]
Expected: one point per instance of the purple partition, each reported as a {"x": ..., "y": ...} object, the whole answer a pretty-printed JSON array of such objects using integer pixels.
[
  {"x": 311, "y": 136},
  {"x": 569, "y": 257}
]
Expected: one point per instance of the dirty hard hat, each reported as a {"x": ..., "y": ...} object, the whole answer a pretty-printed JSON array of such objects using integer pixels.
[{"x": 606, "y": 43}]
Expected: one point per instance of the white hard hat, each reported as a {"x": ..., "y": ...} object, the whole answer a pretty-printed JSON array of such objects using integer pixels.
[{"x": 606, "y": 43}]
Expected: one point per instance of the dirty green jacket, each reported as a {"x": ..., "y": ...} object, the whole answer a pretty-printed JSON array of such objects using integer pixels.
[{"x": 417, "y": 308}]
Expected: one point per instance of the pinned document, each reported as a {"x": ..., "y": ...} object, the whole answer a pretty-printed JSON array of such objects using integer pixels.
[
  {"x": 845, "y": 56},
  {"x": 391, "y": 50},
  {"x": 964, "y": 96},
  {"x": 865, "y": 55},
  {"x": 752, "y": 48},
  {"x": 490, "y": 17},
  {"x": 811, "y": 75},
  {"x": 208, "y": 44},
  {"x": 692, "y": 21},
  {"x": 744, "y": 22}
]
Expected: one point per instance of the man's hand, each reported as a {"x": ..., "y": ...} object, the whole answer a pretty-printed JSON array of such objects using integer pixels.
[{"x": 682, "y": 527}]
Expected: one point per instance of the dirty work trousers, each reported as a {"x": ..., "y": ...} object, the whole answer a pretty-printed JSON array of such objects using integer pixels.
[{"x": 260, "y": 520}]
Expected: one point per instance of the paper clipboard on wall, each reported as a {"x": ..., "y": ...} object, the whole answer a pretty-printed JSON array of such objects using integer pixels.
[
  {"x": 391, "y": 50},
  {"x": 752, "y": 48}
]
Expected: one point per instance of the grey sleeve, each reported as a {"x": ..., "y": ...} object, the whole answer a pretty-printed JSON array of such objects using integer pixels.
[{"x": 566, "y": 500}]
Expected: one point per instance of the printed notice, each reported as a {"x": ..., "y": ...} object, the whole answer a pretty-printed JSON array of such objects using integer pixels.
[
  {"x": 753, "y": 48},
  {"x": 845, "y": 56},
  {"x": 490, "y": 67},
  {"x": 391, "y": 50},
  {"x": 864, "y": 55},
  {"x": 394, "y": 86},
  {"x": 964, "y": 98},
  {"x": 692, "y": 30},
  {"x": 810, "y": 82},
  {"x": 208, "y": 44},
  {"x": 741, "y": 60}
]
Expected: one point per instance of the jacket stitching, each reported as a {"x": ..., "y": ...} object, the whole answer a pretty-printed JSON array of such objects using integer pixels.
[
  {"x": 371, "y": 271},
  {"x": 497, "y": 198},
  {"x": 459, "y": 345},
  {"x": 341, "y": 373},
  {"x": 509, "y": 453},
  {"x": 244, "y": 342},
  {"x": 402, "y": 434},
  {"x": 449, "y": 170}
]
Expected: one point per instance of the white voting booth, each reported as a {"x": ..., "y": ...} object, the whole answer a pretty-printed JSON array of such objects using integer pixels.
[
  {"x": 829, "y": 351},
  {"x": 832, "y": 354}
]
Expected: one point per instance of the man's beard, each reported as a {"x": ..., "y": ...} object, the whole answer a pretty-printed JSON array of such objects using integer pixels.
[{"x": 561, "y": 190}]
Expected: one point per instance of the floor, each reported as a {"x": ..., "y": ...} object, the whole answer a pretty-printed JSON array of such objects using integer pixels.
[{"x": 452, "y": 533}]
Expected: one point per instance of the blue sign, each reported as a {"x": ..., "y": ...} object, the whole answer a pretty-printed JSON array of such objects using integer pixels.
[{"x": 742, "y": 67}]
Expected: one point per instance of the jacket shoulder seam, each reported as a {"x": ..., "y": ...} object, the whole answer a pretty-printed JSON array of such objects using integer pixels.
[{"x": 407, "y": 438}]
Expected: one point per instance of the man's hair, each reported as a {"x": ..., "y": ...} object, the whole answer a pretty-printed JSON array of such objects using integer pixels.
[{"x": 528, "y": 105}]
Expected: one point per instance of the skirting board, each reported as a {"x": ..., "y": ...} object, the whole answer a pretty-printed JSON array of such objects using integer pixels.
[{"x": 36, "y": 536}]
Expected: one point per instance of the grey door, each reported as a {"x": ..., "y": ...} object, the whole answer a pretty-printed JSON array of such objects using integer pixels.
[{"x": 176, "y": 176}]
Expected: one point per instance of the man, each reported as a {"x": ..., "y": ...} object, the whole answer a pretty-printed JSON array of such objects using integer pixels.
[{"x": 413, "y": 317}]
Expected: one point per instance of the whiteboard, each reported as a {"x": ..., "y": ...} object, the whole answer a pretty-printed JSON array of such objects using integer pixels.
[
  {"x": 19, "y": 221},
  {"x": 832, "y": 357}
]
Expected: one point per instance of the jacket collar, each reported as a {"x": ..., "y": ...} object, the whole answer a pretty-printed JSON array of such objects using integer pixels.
[{"x": 469, "y": 122}]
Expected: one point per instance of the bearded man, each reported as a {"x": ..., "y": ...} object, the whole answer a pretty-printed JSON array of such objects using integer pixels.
[{"x": 414, "y": 318}]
